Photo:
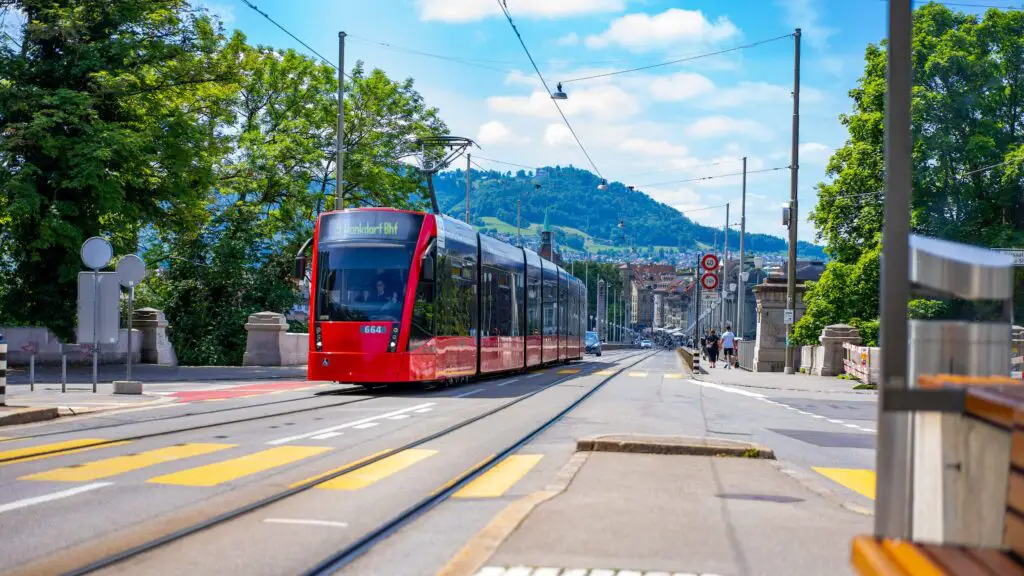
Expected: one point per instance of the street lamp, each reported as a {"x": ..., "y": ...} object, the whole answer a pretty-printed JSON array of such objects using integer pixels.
[{"x": 558, "y": 94}]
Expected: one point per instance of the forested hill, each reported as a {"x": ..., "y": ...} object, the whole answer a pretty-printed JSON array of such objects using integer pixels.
[{"x": 571, "y": 198}]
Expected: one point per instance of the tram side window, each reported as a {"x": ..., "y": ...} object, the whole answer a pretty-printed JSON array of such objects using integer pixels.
[
  {"x": 497, "y": 306},
  {"x": 422, "y": 329},
  {"x": 550, "y": 307},
  {"x": 455, "y": 296},
  {"x": 533, "y": 314},
  {"x": 517, "y": 305}
]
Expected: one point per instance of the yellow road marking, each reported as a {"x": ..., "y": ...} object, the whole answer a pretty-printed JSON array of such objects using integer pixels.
[
  {"x": 674, "y": 376},
  {"x": 638, "y": 374},
  {"x": 120, "y": 464},
  {"x": 859, "y": 480},
  {"x": 496, "y": 481},
  {"x": 39, "y": 452},
  {"x": 5, "y": 438},
  {"x": 378, "y": 470},
  {"x": 464, "y": 474},
  {"x": 340, "y": 468},
  {"x": 569, "y": 371},
  {"x": 605, "y": 372},
  {"x": 220, "y": 472}
]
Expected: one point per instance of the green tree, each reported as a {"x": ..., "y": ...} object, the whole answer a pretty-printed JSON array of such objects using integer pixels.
[{"x": 109, "y": 117}]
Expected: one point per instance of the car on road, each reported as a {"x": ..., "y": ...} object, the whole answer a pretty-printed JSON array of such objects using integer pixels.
[
  {"x": 593, "y": 343},
  {"x": 645, "y": 344}
]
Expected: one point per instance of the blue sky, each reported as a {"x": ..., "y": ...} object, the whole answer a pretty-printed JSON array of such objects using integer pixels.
[{"x": 648, "y": 129}]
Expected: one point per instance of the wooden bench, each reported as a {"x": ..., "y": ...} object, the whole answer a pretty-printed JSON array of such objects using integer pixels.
[{"x": 996, "y": 401}]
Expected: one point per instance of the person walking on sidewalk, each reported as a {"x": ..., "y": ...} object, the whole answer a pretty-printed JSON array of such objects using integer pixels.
[
  {"x": 712, "y": 347},
  {"x": 728, "y": 346}
]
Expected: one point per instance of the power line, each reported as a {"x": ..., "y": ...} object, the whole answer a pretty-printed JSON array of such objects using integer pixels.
[
  {"x": 965, "y": 4},
  {"x": 683, "y": 169},
  {"x": 987, "y": 168},
  {"x": 474, "y": 62},
  {"x": 678, "y": 60},
  {"x": 655, "y": 184},
  {"x": 296, "y": 38},
  {"x": 504, "y": 162},
  {"x": 508, "y": 16}
]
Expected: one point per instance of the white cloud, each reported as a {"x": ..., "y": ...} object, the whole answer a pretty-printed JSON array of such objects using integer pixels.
[
  {"x": 225, "y": 12},
  {"x": 814, "y": 153},
  {"x": 570, "y": 39},
  {"x": 602, "y": 101},
  {"x": 518, "y": 77},
  {"x": 722, "y": 126},
  {"x": 803, "y": 14},
  {"x": 653, "y": 147},
  {"x": 495, "y": 132},
  {"x": 680, "y": 86},
  {"x": 558, "y": 135},
  {"x": 642, "y": 32},
  {"x": 461, "y": 11}
]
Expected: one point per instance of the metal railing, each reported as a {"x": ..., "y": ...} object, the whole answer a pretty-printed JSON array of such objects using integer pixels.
[{"x": 745, "y": 353}]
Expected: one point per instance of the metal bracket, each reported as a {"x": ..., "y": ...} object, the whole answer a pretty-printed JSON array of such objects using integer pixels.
[{"x": 951, "y": 400}]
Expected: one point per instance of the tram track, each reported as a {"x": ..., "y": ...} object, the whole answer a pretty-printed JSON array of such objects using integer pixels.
[{"x": 368, "y": 540}]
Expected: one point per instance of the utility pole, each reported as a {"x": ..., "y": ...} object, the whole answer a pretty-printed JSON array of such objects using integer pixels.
[
  {"x": 725, "y": 267},
  {"x": 743, "y": 232},
  {"x": 794, "y": 171},
  {"x": 468, "y": 161},
  {"x": 339, "y": 180}
]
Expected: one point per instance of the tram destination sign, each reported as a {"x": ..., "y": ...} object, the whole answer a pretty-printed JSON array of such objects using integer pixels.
[{"x": 371, "y": 225}]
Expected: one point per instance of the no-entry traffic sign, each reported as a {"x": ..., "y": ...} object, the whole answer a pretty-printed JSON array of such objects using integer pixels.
[
  {"x": 709, "y": 281},
  {"x": 709, "y": 262}
]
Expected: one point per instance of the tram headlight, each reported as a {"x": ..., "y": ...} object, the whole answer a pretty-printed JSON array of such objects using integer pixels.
[{"x": 316, "y": 335}]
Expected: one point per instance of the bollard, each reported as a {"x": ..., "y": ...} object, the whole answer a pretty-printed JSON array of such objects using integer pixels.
[
  {"x": 63, "y": 372},
  {"x": 3, "y": 371},
  {"x": 32, "y": 373}
]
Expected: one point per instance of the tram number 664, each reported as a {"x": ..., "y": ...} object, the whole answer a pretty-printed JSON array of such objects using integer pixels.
[{"x": 374, "y": 329}]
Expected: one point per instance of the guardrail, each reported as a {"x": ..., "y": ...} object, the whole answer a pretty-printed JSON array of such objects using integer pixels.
[
  {"x": 745, "y": 353},
  {"x": 861, "y": 362},
  {"x": 691, "y": 359}
]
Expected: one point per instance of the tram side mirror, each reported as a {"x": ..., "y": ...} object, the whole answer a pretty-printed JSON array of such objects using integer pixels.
[
  {"x": 300, "y": 267},
  {"x": 427, "y": 267}
]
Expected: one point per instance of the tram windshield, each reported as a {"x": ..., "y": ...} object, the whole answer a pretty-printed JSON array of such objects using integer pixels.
[{"x": 363, "y": 263}]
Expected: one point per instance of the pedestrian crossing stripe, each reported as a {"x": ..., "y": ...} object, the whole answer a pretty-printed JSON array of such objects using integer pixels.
[
  {"x": 41, "y": 451},
  {"x": 605, "y": 372},
  {"x": 638, "y": 374},
  {"x": 377, "y": 471},
  {"x": 861, "y": 481},
  {"x": 674, "y": 376},
  {"x": 120, "y": 464},
  {"x": 569, "y": 371},
  {"x": 498, "y": 480},
  {"x": 228, "y": 470}
]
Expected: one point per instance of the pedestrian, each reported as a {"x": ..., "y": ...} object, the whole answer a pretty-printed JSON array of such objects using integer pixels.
[
  {"x": 728, "y": 346},
  {"x": 712, "y": 347}
]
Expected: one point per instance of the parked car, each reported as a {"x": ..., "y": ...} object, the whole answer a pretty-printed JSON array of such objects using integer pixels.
[
  {"x": 593, "y": 343},
  {"x": 645, "y": 344}
]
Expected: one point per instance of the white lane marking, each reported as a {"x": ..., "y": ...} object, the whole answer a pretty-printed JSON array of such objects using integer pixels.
[
  {"x": 868, "y": 430},
  {"x": 818, "y": 416},
  {"x": 398, "y": 417},
  {"x": 51, "y": 497},
  {"x": 852, "y": 426},
  {"x": 507, "y": 382},
  {"x": 422, "y": 410},
  {"x": 305, "y": 522},
  {"x": 805, "y": 413},
  {"x": 833, "y": 421},
  {"x": 729, "y": 389},
  {"x": 470, "y": 393},
  {"x": 365, "y": 425},
  {"x": 326, "y": 436},
  {"x": 352, "y": 424},
  {"x": 791, "y": 408}
]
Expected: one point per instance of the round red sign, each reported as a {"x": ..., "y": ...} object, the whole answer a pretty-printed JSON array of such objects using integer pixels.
[
  {"x": 709, "y": 281},
  {"x": 709, "y": 261}
]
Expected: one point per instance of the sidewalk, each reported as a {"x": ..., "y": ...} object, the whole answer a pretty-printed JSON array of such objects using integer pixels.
[
  {"x": 779, "y": 381},
  {"x": 82, "y": 374},
  {"x": 626, "y": 513}
]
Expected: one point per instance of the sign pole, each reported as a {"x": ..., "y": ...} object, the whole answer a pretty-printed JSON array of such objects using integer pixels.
[
  {"x": 95, "y": 328},
  {"x": 131, "y": 305}
]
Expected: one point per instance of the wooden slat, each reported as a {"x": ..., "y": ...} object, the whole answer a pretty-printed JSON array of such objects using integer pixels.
[
  {"x": 955, "y": 560},
  {"x": 1017, "y": 449},
  {"x": 911, "y": 558},
  {"x": 1015, "y": 491},
  {"x": 997, "y": 562},
  {"x": 991, "y": 406},
  {"x": 940, "y": 380},
  {"x": 870, "y": 559},
  {"x": 1013, "y": 537}
]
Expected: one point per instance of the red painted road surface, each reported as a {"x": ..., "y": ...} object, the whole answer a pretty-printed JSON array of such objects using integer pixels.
[{"x": 238, "y": 391}]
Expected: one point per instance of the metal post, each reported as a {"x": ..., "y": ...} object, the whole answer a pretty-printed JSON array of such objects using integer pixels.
[
  {"x": 894, "y": 453},
  {"x": 468, "y": 161},
  {"x": 519, "y": 236},
  {"x": 95, "y": 328},
  {"x": 339, "y": 174},
  {"x": 725, "y": 266},
  {"x": 131, "y": 306},
  {"x": 3, "y": 370},
  {"x": 794, "y": 169},
  {"x": 32, "y": 373},
  {"x": 740, "y": 288},
  {"x": 63, "y": 371}
]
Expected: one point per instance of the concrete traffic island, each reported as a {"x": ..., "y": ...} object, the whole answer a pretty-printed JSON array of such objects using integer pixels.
[
  {"x": 127, "y": 387},
  {"x": 673, "y": 445}
]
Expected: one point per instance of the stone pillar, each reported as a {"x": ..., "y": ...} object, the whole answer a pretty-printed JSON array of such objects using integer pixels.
[
  {"x": 770, "y": 346},
  {"x": 832, "y": 339},
  {"x": 263, "y": 342},
  {"x": 155, "y": 347}
]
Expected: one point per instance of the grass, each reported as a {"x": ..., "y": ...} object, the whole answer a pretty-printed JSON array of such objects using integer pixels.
[{"x": 866, "y": 387}]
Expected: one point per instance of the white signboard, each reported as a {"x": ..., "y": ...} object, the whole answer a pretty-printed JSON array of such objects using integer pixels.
[
  {"x": 1017, "y": 253},
  {"x": 109, "y": 307},
  {"x": 787, "y": 317},
  {"x": 711, "y": 296}
]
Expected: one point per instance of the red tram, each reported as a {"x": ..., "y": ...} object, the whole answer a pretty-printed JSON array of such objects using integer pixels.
[{"x": 401, "y": 296}]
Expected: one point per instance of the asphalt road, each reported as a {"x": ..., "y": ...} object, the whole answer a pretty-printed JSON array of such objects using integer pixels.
[{"x": 183, "y": 463}]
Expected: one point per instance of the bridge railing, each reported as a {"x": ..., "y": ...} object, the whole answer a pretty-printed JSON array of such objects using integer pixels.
[
  {"x": 745, "y": 353},
  {"x": 862, "y": 362}
]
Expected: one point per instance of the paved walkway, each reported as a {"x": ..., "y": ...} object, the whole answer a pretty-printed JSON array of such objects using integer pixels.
[
  {"x": 779, "y": 381},
  {"x": 81, "y": 374}
]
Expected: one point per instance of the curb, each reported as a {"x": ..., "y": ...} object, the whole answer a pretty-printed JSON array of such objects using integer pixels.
[
  {"x": 29, "y": 415},
  {"x": 673, "y": 445}
]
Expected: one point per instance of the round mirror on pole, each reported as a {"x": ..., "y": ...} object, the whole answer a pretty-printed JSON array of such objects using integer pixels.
[{"x": 96, "y": 253}]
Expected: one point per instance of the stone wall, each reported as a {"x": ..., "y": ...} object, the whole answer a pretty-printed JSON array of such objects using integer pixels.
[
  {"x": 268, "y": 342},
  {"x": 770, "y": 348},
  {"x": 25, "y": 341}
]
